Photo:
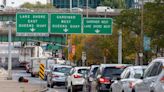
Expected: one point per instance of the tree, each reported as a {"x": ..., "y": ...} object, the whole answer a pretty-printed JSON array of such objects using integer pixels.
[{"x": 37, "y": 5}]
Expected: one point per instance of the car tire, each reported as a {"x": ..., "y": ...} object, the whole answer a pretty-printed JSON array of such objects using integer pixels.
[
  {"x": 72, "y": 88},
  {"x": 52, "y": 85},
  {"x": 48, "y": 85},
  {"x": 32, "y": 75}
]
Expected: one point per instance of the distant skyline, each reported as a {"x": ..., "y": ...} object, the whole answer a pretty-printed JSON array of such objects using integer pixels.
[{"x": 18, "y": 3}]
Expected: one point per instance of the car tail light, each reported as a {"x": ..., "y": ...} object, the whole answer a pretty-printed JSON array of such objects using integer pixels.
[
  {"x": 104, "y": 81},
  {"x": 162, "y": 80},
  {"x": 131, "y": 85},
  {"x": 76, "y": 76},
  {"x": 55, "y": 76}
]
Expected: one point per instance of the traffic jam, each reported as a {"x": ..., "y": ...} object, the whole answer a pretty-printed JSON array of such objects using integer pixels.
[{"x": 103, "y": 77}]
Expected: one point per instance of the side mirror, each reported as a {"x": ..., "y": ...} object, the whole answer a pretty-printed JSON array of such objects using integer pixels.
[
  {"x": 118, "y": 78},
  {"x": 142, "y": 77}
]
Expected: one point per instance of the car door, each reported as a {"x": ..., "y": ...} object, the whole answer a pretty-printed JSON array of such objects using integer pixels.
[
  {"x": 69, "y": 77},
  {"x": 116, "y": 86},
  {"x": 151, "y": 74}
]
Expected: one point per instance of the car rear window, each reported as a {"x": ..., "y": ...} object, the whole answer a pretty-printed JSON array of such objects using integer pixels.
[
  {"x": 83, "y": 71},
  {"x": 62, "y": 69},
  {"x": 112, "y": 72}
]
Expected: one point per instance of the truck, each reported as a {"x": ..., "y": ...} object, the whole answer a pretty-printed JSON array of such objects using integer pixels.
[{"x": 103, "y": 9}]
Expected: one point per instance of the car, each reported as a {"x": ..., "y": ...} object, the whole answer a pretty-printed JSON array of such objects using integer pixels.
[
  {"x": 2, "y": 7},
  {"x": 75, "y": 79},
  {"x": 153, "y": 79},
  {"x": 105, "y": 76},
  {"x": 57, "y": 76},
  {"x": 76, "y": 9},
  {"x": 91, "y": 75},
  {"x": 129, "y": 77}
]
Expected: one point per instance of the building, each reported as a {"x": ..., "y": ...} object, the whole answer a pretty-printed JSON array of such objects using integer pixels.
[
  {"x": 136, "y": 3},
  {"x": 76, "y": 3},
  {"x": 18, "y": 3}
]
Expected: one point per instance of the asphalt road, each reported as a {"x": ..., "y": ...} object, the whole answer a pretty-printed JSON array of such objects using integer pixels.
[{"x": 32, "y": 80}]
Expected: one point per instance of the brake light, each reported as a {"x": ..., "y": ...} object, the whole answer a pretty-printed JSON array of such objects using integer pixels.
[
  {"x": 76, "y": 76},
  {"x": 162, "y": 80},
  {"x": 104, "y": 81},
  {"x": 131, "y": 85}
]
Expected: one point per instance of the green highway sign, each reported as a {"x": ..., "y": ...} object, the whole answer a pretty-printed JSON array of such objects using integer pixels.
[
  {"x": 65, "y": 23},
  {"x": 31, "y": 24},
  {"x": 97, "y": 26}
]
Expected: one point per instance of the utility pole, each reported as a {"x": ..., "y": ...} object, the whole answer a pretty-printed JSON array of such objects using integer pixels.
[
  {"x": 142, "y": 33},
  {"x": 87, "y": 8},
  {"x": 9, "y": 23},
  {"x": 70, "y": 1},
  {"x": 120, "y": 47}
]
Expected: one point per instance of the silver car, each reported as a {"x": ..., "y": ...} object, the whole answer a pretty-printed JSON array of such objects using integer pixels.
[
  {"x": 128, "y": 79},
  {"x": 153, "y": 79},
  {"x": 57, "y": 75}
]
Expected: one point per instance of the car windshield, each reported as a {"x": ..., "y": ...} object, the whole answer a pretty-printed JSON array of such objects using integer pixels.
[
  {"x": 83, "y": 71},
  {"x": 112, "y": 72},
  {"x": 62, "y": 69}
]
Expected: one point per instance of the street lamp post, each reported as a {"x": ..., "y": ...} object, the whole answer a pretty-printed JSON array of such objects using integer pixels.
[
  {"x": 120, "y": 47},
  {"x": 87, "y": 8},
  {"x": 9, "y": 24},
  {"x": 142, "y": 33}
]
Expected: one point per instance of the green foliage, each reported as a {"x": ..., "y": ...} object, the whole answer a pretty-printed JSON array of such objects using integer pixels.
[
  {"x": 114, "y": 3},
  {"x": 37, "y": 5}
]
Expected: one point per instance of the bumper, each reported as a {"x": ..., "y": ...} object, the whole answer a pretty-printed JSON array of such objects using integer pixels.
[{"x": 104, "y": 87}]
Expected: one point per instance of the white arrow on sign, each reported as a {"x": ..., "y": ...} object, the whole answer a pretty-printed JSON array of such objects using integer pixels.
[
  {"x": 65, "y": 30},
  {"x": 32, "y": 29},
  {"x": 97, "y": 31}
]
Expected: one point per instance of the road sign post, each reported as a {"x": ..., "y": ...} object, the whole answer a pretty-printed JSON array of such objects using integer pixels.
[
  {"x": 65, "y": 23},
  {"x": 34, "y": 24},
  {"x": 97, "y": 26}
]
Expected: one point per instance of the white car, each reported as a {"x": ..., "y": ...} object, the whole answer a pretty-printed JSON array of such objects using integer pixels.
[
  {"x": 75, "y": 79},
  {"x": 129, "y": 77},
  {"x": 57, "y": 76},
  {"x": 76, "y": 9},
  {"x": 153, "y": 79}
]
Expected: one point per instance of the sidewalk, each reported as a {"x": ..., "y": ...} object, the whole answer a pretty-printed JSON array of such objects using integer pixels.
[{"x": 14, "y": 86}]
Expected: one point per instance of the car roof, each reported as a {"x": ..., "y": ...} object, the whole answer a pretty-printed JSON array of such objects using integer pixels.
[
  {"x": 137, "y": 67},
  {"x": 82, "y": 67},
  {"x": 160, "y": 59},
  {"x": 113, "y": 65},
  {"x": 92, "y": 66}
]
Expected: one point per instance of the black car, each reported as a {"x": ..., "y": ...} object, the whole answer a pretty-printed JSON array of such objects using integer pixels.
[{"x": 105, "y": 76}]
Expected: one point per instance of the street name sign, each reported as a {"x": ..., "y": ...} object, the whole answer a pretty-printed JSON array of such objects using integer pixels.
[
  {"x": 32, "y": 24},
  {"x": 97, "y": 26},
  {"x": 62, "y": 23}
]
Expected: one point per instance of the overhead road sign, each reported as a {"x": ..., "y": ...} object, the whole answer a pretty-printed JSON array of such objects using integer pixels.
[
  {"x": 65, "y": 23},
  {"x": 32, "y": 24},
  {"x": 97, "y": 26}
]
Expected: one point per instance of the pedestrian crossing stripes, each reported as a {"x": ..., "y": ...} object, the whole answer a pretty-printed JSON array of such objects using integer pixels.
[{"x": 41, "y": 71}]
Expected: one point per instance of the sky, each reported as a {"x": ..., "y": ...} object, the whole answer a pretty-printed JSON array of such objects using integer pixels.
[{"x": 17, "y": 3}]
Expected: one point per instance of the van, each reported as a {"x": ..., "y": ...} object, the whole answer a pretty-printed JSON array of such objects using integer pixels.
[{"x": 101, "y": 9}]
